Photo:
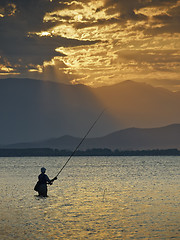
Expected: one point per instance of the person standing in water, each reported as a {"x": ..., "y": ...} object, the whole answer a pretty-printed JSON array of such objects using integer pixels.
[{"x": 42, "y": 183}]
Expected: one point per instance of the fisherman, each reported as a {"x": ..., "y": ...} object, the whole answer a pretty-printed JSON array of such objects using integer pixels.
[{"x": 42, "y": 183}]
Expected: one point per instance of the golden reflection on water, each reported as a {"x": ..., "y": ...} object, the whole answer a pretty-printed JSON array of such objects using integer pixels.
[{"x": 107, "y": 201}]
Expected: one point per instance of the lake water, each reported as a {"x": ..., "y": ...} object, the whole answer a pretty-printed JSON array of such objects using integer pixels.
[{"x": 93, "y": 198}]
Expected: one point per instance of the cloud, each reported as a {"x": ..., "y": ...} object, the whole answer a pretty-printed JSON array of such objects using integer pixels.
[
  {"x": 170, "y": 21},
  {"x": 135, "y": 10},
  {"x": 129, "y": 6},
  {"x": 151, "y": 56},
  {"x": 20, "y": 45},
  {"x": 96, "y": 42}
]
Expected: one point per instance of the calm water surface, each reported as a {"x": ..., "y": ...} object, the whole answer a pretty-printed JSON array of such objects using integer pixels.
[{"x": 93, "y": 198}]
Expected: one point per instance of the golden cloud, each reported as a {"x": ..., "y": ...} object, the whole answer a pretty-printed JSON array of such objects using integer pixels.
[{"x": 101, "y": 42}]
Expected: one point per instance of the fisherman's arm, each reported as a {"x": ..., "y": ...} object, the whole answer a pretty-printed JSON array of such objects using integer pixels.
[{"x": 50, "y": 181}]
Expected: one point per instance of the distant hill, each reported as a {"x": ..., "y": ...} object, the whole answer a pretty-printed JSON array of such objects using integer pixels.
[
  {"x": 32, "y": 110},
  {"x": 167, "y": 137}
]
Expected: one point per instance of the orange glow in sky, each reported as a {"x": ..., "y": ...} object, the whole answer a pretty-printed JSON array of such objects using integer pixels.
[{"x": 98, "y": 42}]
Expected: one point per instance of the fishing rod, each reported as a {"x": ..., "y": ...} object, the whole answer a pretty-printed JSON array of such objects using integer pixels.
[{"x": 80, "y": 143}]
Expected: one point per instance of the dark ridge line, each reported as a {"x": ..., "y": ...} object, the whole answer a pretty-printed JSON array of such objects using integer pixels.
[{"x": 49, "y": 152}]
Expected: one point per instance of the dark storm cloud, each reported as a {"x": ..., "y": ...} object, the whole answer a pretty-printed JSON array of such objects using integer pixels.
[
  {"x": 124, "y": 7},
  {"x": 127, "y": 10},
  {"x": 31, "y": 12},
  {"x": 170, "y": 21},
  {"x": 19, "y": 20},
  {"x": 127, "y": 7}
]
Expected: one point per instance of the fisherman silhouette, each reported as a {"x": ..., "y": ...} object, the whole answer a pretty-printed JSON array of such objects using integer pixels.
[{"x": 41, "y": 186}]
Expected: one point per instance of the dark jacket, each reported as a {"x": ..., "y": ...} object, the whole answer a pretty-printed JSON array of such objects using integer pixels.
[{"x": 43, "y": 179}]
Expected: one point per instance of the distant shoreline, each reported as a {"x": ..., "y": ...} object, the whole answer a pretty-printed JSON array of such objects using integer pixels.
[{"x": 48, "y": 152}]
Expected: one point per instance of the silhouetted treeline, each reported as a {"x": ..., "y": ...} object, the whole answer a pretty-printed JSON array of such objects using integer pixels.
[{"x": 40, "y": 152}]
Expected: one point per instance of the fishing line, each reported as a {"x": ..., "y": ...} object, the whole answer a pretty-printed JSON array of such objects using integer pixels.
[{"x": 80, "y": 143}]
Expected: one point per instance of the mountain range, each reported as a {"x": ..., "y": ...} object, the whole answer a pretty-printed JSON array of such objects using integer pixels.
[
  {"x": 167, "y": 137},
  {"x": 34, "y": 110}
]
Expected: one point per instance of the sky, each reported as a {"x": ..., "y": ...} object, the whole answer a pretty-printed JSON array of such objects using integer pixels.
[{"x": 96, "y": 43}]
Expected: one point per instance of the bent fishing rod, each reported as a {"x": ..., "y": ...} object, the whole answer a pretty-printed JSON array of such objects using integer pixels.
[{"x": 80, "y": 143}]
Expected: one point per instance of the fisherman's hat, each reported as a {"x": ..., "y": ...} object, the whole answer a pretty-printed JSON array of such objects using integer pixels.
[{"x": 43, "y": 170}]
